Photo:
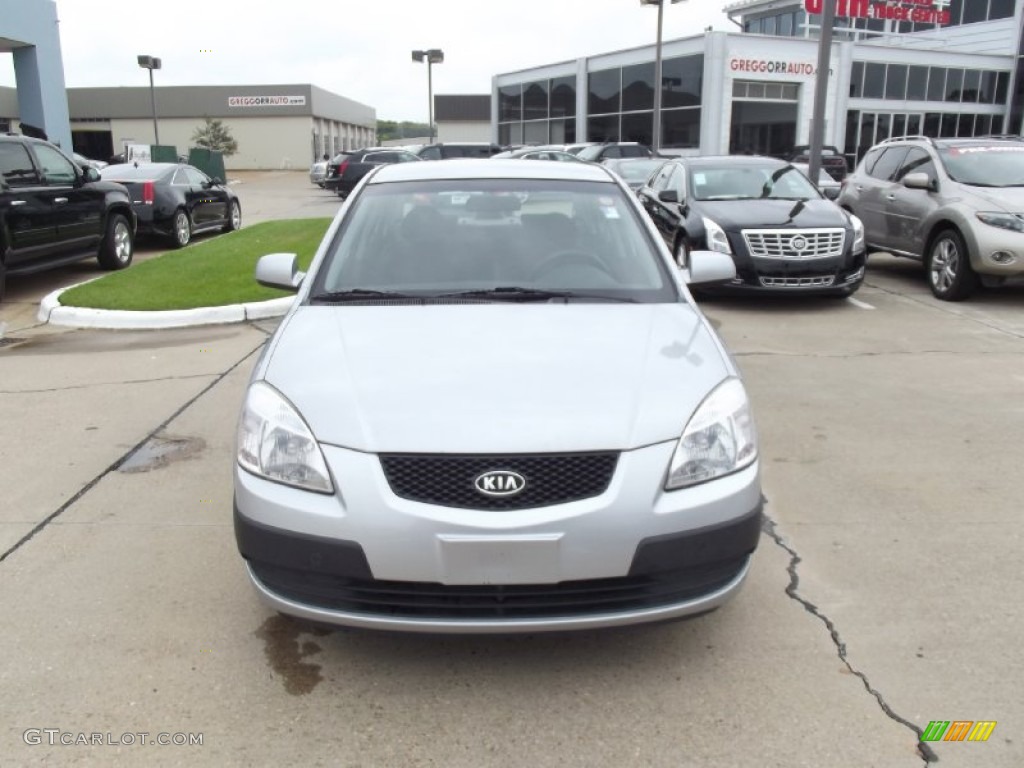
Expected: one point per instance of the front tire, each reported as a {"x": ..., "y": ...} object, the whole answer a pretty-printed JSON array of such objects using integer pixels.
[
  {"x": 234, "y": 221},
  {"x": 118, "y": 245},
  {"x": 950, "y": 275},
  {"x": 181, "y": 230}
]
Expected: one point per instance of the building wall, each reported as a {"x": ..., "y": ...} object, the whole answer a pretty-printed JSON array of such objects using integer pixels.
[{"x": 464, "y": 131}]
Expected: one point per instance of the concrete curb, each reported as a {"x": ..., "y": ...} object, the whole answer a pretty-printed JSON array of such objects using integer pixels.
[{"x": 51, "y": 311}]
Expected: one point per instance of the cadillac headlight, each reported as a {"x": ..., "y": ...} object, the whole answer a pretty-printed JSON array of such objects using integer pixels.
[
  {"x": 858, "y": 233},
  {"x": 274, "y": 442},
  {"x": 716, "y": 237},
  {"x": 719, "y": 440}
]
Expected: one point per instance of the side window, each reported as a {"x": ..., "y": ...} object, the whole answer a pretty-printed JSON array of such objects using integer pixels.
[
  {"x": 181, "y": 178},
  {"x": 16, "y": 165},
  {"x": 634, "y": 151},
  {"x": 869, "y": 159},
  {"x": 431, "y": 153},
  {"x": 660, "y": 180},
  {"x": 886, "y": 165},
  {"x": 196, "y": 178},
  {"x": 405, "y": 157},
  {"x": 381, "y": 158},
  {"x": 916, "y": 161},
  {"x": 56, "y": 168},
  {"x": 611, "y": 152}
]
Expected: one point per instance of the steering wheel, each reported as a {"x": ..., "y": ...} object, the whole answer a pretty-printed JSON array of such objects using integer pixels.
[{"x": 567, "y": 259}]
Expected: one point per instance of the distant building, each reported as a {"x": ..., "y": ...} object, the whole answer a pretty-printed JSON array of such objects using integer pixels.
[
  {"x": 932, "y": 67},
  {"x": 276, "y": 126},
  {"x": 463, "y": 117}
]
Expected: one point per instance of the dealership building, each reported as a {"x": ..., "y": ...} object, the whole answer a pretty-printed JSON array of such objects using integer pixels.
[
  {"x": 931, "y": 67},
  {"x": 276, "y": 126}
]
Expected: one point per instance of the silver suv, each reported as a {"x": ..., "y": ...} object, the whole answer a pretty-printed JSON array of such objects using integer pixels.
[{"x": 957, "y": 205}]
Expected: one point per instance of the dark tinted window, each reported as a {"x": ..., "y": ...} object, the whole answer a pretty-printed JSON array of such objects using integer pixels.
[
  {"x": 954, "y": 84},
  {"x": 603, "y": 93},
  {"x": 937, "y": 84},
  {"x": 885, "y": 167},
  {"x": 972, "y": 85},
  {"x": 56, "y": 168},
  {"x": 510, "y": 104},
  {"x": 535, "y": 100},
  {"x": 680, "y": 128},
  {"x": 638, "y": 87},
  {"x": 874, "y": 80},
  {"x": 431, "y": 153},
  {"x": 602, "y": 129},
  {"x": 637, "y": 127},
  {"x": 563, "y": 96},
  {"x": 1000, "y": 9},
  {"x": 16, "y": 165},
  {"x": 896, "y": 82},
  {"x": 857, "y": 79},
  {"x": 681, "y": 80}
]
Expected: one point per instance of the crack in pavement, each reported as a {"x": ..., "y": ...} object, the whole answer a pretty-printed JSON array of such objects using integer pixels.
[
  {"x": 125, "y": 456},
  {"x": 105, "y": 384},
  {"x": 769, "y": 529}
]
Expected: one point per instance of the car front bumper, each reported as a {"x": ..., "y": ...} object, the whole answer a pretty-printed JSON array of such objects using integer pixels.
[{"x": 367, "y": 558}]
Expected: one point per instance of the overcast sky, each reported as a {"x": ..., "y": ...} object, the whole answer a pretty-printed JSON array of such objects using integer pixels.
[{"x": 356, "y": 49}]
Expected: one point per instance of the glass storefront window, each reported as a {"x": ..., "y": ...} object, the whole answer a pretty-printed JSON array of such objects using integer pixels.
[
  {"x": 680, "y": 128},
  {"x": 605, "y": 128},
  {"x": 603, "y": 91},
  {"x": 639, "y": 127},
  {"x": 535, "y": 100},
  {"x": 563, "y": 97},
  {"x": 937, "y": 84},
  {"x": 1000, "y": 9},
  {"x": 874, "y": 80},
  {"x": 638, "y": 86},
  {"x": 510, "y": 103},
  {"x": 948, "y": 125},
  {"x": 682, "y": 79},
  {"x": 896, "y": 82},
  {"x": 857, "y": 79},
  {"x": 917, "y": 83},
  {"x": 972, "y": 86}
]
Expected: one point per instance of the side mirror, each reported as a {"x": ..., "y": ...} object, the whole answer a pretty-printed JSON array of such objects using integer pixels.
[
  {"x": 218, "y": 181},
  {"x": 90, "y": 174},
  {"x": 920, "y": 180},
  {"x": 668, "y": 196},
  {"x": 279, "y": 270},
  {"x": 711, "y": 267}
]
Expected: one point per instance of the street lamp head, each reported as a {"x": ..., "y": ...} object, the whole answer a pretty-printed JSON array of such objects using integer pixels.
[
  {"x": 149, "y": 62},
  {"x": 418, "y": 55},
  {"x": 435, "y": 56}
]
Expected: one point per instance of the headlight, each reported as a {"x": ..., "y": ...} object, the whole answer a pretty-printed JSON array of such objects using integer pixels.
[
  {"x": 717, "y": 241},
  {"x": 274, "y": 442},
  {"x": 720, "y": 438},
  {"x": 858, "y": 233},
  {"x": 1002, "y": 220}
]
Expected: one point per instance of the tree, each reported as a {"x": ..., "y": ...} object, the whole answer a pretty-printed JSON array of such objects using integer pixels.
[
  {"x": 215, "y": 135},
  {"x": 388, "y": 130}
]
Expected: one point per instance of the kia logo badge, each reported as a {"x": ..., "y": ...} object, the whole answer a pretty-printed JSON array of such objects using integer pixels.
[{"x": 500, "y": 482}]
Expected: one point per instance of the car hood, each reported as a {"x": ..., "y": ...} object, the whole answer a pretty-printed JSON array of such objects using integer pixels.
[
  {"x": 494, "y": 378},
  {"x": 756, "y": 214},
  {"x": 1009, "y": 199}
]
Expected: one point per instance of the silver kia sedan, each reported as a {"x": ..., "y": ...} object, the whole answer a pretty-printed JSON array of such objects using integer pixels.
[{"x": 494, "y": 407}]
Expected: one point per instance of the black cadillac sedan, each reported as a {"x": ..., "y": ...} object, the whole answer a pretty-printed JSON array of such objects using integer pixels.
[
  {"x": 177, "y": 201},
  {"x": 783, "y": 234}
]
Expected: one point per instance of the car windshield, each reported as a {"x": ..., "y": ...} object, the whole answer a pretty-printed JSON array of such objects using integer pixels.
[
  {"x": 494, "y": 239},
  {"x": 999, "y": 165},
  {"x": 637, "y": 170},
  {"x": 750, "y": 182}
]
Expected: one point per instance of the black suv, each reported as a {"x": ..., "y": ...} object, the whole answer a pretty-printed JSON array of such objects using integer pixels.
[
  {"x": 53, "y": 212},
  {"x": 345, "y": 169}
]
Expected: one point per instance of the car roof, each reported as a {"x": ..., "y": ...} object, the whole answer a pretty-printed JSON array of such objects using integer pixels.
[
  {"x": 484, "y": 168},
  {"x": 737, "y": 160}
]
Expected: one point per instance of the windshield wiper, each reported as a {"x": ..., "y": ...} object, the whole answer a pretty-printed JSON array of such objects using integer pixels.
[
  {"x": 518, "y": 293},
  {"x": 360, "y": 294}
]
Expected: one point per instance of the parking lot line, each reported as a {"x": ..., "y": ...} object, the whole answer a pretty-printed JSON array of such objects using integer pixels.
[{"x": 859, "y": 303}]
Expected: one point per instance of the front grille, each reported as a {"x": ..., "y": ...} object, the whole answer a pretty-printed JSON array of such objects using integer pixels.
[
  {"x": 401, "y": 599},
  {"x": 795, "y": 243},
  {"x": 449, "y": 481},
  {"x": 819, "y": 281}
]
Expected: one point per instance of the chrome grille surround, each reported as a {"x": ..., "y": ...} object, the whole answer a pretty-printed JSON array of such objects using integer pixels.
[{"x": 796, "y": 244}]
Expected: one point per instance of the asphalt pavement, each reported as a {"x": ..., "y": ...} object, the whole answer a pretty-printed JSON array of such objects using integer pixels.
[{"x": 886, "y": 592}]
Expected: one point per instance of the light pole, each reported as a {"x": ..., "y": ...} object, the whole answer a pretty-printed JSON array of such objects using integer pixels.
[
  {"x": 432, "y": 56},
  {"x": 657, "y": 73},
  {"x": 151, "y": 63}
]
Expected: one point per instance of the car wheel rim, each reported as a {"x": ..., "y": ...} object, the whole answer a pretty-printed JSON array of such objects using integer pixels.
[
  {"x": 122, "y": 242},
  {"x": 181, "y": 228},
  {"x": 945, "y": 264},
  {"x": 236, "y": 217}
]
